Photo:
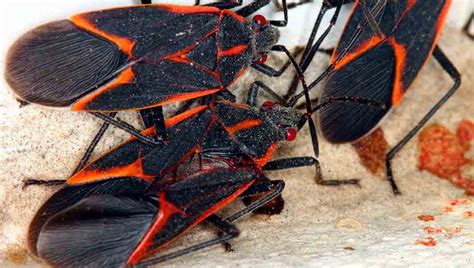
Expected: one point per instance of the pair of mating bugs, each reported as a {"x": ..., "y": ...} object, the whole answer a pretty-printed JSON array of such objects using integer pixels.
[{"x": 177, "y": 173}]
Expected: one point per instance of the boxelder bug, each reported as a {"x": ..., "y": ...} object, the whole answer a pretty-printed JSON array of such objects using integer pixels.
[
  {"x": 215, "y": 153},
  {"x": 381, "y": 66},
  {"x": 133, "y": 58}
]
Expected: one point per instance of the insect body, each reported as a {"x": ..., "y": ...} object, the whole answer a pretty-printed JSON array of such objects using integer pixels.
[
  {"x": 215, "y": 154},
  {"x": 380, "y": 63},
  {"x": 138, "y": 57}
]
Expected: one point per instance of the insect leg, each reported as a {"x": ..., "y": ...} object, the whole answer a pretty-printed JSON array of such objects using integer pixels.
[
  {"x": 272, "y": 187},
  {"x": 310, "y": 49},
  {"x": 93, "y": 144},
  {"x": 253, "y": 93},
  {"x": 225, "y": 226},
  {"x": 47, "y": 183},
  {"x": 127, "y": 128},
  {"x": 368, "y": 17},
  {"x": 187, "y": 104},
  {"x": 304, "y": 161},
  {"x": 467, "y": 27},
  {"x": 279, "y": 6},
  {"x": 448, "y": 66},
  {"x": 227, "y": 95},
  {"x": 226, "y": 4},
  {"x": 258, "y": 4},
  {"x": 145, "y": 2},
  {"x": 154, "y": 117}
]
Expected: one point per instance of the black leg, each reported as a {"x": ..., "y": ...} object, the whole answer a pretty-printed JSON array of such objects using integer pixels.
[
  {"x": 187, "y": 104},
  {"x": 270, "y": 71},
  {"x": 253, "y": 93},
  {"x": 258, "y": 4},
  {"x": 127, "y": 128},
  {"x": 227, "y": 95},
  {"x": 226, "y": 4},
  {"x": 369, "y": 17},
  {"x": 154, "y": 117},
  {"x": 448, "y": 66},
  {"x": 272, "y": 187},
  {"x": 466, "y": 29},
  {"x": 85, "y": 158},
  {"x": 304, "y": 161},
  {"x": 145, "y": 2},
  {"x": 310, "y": 49},
  {"x": 225, "y": 226},
  {"x": 290, "y": 5},
  {"x": 47, "y": 183}
]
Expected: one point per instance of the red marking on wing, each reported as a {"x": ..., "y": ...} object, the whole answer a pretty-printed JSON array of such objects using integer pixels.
[
  {"x": 262, "y": 161},
  {"x": 189, "y": 9},
  {"x": 334, "y": 54},
  {"x": 132, "y": 170},
  {"x": 124, "y": 44},
  {"x": 441, "y": 20},
  {"x": 426, "y": 217},
  {"x": 142, "y": 249},
  {"x": 233, "y": 50},
  {"x": 183, "y": 116},
  {"x": 400, "y": 62},
  {"x": 238, "y": 105},
  {"x": 235, "y": 15},
  {"x": 186, "y": 96},
  {"x": 349, "y": 57},
  {"x": 246, "y": 124},
  {"x": 165, "y": 211},
  {"x": 125, "y": 77},
  {"x": 439, "y": 27}
]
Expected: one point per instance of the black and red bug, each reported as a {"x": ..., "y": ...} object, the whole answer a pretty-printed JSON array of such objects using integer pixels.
[
  {"x": 138, "y": 57},
  {"x": 380, "y": 63},
  {"x": 209, "y": 161},
  {"x": 215, "y": 153}
]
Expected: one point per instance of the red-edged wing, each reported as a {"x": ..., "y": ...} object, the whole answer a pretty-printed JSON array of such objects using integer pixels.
[
  {"x": 118, "y": 229},
  {"x": 129, "y": 58},
  {"x": 382, "y": 69}
]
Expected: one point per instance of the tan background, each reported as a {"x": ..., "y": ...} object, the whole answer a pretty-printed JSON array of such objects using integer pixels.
[{"x": 318, "y": 223}]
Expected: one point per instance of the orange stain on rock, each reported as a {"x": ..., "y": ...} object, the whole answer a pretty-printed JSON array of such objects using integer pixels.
[
  {"x": 372, "y": 150},
  {"x": 442, "y": 154},
  {"x": 431, "y": 230},
  {"x": 428, "y": 242},
  {"x": 16, "y": 254},
  {"x": 468, "y": 214},
  {"x": 465, "y": 132},
  {"x": 426, "y": 217}
]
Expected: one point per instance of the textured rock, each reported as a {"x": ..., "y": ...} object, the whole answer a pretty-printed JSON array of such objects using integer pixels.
[{"x": 379, "y": 228}]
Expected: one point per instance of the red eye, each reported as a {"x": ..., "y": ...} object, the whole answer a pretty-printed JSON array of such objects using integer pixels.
[
  {"x": 262, "y": 59},
  {"x": 267, "y": 104},
  {"x": 260, "y": 20},
  {"x": 290, "y": 134}
]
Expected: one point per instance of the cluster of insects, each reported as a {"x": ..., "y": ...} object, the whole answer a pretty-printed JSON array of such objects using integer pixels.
[{"x": 182, "y": 169}]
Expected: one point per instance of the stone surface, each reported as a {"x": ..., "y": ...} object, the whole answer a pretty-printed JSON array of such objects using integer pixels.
[{"x": 322, "y": 226}]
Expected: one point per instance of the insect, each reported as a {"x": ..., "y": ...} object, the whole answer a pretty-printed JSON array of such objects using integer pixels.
[
  {"x": 381, "y": 65},
  {"x": 138, "y": 57},
  {"x": 215, "y": 153}
]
